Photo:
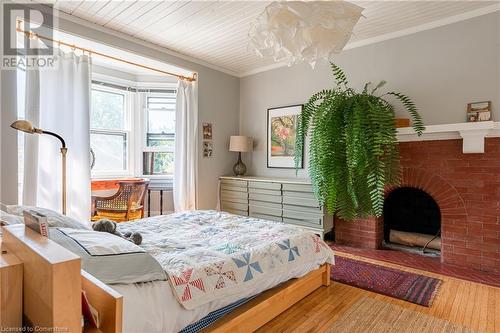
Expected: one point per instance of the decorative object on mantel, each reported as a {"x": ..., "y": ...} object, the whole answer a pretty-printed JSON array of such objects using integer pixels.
[
  {"x": 402, "y": 122},
  {"x": 281, "y": 137},
  {"x": 353, "y": 152},
  {"x": 26, "y": 127},
  {"x": 240, "y": 144},
  {"x": 479, "y": 111},
  {"x": 299, "y": 31}
]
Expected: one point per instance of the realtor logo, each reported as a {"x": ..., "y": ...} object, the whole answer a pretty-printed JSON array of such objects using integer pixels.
[{"x": 24, "y": 25}]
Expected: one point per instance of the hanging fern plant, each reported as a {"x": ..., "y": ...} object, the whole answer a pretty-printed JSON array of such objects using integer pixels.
[{"x": 353, "y": 149}]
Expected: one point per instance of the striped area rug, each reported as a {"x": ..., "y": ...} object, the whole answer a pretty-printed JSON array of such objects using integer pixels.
[{"x": 411, "y": 287}]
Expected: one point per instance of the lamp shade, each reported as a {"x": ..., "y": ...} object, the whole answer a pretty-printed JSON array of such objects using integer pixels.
[
  {"x": 240, "y": 143},
  {"x": 23, "y": 125}
]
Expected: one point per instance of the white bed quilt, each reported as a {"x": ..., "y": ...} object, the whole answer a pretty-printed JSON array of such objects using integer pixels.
[{"x": 210, "y": 255}]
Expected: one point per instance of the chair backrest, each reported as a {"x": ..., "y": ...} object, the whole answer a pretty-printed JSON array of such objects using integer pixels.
[
  {"x": 130, "y": 193},
  {"x": 133, "y": 192}
]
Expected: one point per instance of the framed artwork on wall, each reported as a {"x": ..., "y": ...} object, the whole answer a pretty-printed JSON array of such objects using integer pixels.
[
  {"x": 479, "y": 111},
  {"x": 281, "y": 133},
  {"x": 208, "y": 149},
  {"x": 207, "y": 131}
]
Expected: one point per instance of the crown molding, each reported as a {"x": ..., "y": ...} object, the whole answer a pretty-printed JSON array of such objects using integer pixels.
[
  {"x": 263, "y": 69},
  {"x": 427, "y": 26},
  {"x": 400, "y": 33}
]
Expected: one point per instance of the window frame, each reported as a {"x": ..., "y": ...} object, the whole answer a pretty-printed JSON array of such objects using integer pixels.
[
  {"x": 144, "y": 132},
  {"x": 127, "y": 132}
]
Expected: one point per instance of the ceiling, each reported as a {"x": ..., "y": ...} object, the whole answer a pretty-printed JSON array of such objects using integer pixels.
[{"x": 216, "y": 32}]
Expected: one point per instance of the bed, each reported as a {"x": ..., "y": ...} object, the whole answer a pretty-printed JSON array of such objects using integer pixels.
[{"x": 213, "y": 260}]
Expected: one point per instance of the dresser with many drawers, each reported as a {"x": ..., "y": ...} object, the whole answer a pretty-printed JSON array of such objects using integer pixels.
[{"x": 276, "y": 199}]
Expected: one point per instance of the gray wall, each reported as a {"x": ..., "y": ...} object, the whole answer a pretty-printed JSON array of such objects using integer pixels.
[{"x": 442, "y": 69}]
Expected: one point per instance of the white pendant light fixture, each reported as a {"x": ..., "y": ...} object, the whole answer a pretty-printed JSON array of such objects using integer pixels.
[{"x": 298, "y": 31}]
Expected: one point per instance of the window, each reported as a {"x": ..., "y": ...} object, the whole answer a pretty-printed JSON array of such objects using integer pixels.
[
  {"x": 109, "y": 134},
  {"x": 132, "y": 130},
  {"x": 158, "y": 153}
]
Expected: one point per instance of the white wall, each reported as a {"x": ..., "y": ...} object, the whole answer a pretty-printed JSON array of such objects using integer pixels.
[{"x": 442, "y": 69}]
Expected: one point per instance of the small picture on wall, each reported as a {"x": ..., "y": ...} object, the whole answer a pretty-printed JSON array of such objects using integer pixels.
[
  {"x": 281, "y": 134},
  {"x": 207, "y": 131},
  {"x": 208, "y": 149},
  {"x": 479, "y": 111}
]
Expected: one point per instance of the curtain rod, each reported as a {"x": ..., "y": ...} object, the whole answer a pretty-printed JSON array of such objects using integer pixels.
[
  {"x": 133, "y": 89},
  {"x": 33, "y": 35}
]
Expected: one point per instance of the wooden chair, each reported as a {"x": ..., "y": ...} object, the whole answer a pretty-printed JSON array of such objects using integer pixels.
[{"x": 125, "y": 205}]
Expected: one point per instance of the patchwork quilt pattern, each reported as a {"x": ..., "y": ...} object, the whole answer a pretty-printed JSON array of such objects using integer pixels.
[{"x": 210, "y": 255}]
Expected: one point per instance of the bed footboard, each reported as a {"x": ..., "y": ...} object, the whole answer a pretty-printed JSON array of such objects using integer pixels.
[{"x": 268, "y": 305}]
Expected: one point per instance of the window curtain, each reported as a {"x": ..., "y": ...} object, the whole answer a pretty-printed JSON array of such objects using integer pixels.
[
  {"x": 58, "y": 100},
  {"x": 186, "y": 143}
]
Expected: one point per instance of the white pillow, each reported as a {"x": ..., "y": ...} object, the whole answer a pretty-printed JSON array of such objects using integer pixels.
[
  {"x": 108, "y": 257},
  {"x": 8, "y": 219},
  {"x": 54, "y": 219}
]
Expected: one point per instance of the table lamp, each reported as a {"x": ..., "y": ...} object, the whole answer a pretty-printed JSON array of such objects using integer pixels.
[
  {"x": 240, "y": 144},
  {"x": 26, "y": 127}
]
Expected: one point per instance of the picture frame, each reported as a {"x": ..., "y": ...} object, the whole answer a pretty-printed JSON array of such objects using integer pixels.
[
  {"x": 281, "y": 133},
  {"x": 479, "y": 111},
  {"x": 208, "y": 149},
  {"x": 207, "y": 131}
]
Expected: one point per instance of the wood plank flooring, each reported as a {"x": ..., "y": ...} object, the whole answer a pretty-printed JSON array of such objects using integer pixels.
[{"x": 465, "y": 303}]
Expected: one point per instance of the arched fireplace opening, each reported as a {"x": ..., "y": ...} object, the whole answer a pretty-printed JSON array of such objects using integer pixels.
[{"x": 412, "y": 218}]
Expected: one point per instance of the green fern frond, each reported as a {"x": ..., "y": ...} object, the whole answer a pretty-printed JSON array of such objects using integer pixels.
[
  {"x": 353, "y": 149},
  {"x": 339, "y": 75}
]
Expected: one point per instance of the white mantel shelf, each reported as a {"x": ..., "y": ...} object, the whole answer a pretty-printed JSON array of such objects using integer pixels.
[{"x": 473, "y": 134}]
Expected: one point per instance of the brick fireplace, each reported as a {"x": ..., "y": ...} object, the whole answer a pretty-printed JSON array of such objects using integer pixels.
[{"x": 466, "y": 188}]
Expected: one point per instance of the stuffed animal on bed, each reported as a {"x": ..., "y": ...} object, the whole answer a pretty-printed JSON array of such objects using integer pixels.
[{"x": 106, "y": 225}]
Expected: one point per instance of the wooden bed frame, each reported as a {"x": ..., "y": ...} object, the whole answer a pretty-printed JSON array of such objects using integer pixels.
[{"x": 53, "y": 281}]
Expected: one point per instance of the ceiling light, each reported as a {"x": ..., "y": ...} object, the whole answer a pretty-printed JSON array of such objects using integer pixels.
[{"x": 297, "y": 31}]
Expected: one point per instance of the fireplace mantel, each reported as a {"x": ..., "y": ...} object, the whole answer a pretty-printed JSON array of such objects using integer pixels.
[{"x": 473, "y": 134}]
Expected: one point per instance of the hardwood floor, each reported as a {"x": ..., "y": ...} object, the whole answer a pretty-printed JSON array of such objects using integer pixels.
[{"x": 465, "y": 303}]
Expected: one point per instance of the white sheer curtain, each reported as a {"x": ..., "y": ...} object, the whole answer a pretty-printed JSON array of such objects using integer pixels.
[
  {"x": 58, "y": 100},
  {"x": 186, "y": 143}
]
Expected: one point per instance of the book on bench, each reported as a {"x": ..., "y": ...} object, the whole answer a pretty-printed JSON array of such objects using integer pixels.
[{"x": 36, "y": 222}]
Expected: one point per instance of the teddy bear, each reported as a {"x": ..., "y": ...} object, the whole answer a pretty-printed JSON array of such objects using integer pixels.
[{"x": 106, "y": 225}]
